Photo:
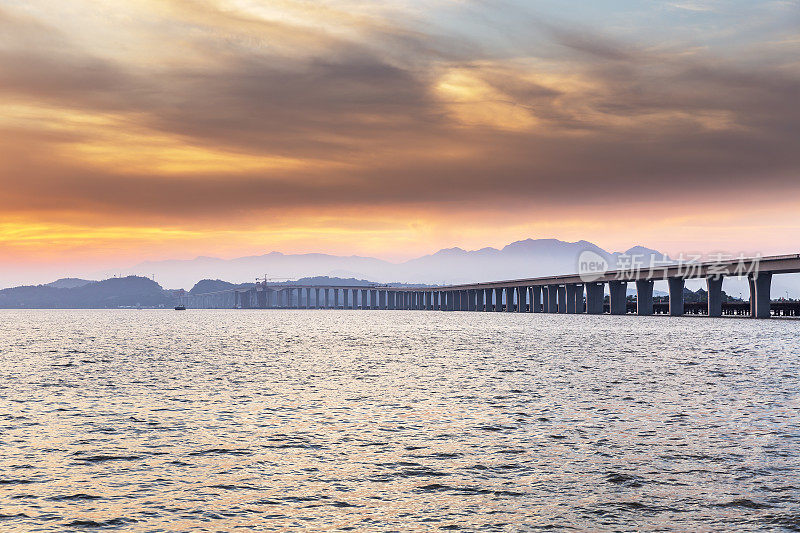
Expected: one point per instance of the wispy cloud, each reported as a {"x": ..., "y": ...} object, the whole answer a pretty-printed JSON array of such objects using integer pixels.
[{"x": 221, "y": 110}]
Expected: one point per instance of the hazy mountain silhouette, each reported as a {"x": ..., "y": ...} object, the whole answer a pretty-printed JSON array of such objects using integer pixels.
[
  {"x": 131, "y": 291},
  {"x": 527, "y": 258},
  {"x": 69, "y": 283}
]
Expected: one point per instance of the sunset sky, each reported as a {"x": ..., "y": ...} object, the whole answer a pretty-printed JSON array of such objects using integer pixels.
[{"x": 154, "y": 129}]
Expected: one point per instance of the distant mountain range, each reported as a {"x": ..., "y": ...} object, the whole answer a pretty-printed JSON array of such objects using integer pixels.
[{"x": 521, "y": 259}]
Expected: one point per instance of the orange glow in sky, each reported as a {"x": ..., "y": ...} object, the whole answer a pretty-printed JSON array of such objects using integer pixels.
[{"x": 146, "y": 129}]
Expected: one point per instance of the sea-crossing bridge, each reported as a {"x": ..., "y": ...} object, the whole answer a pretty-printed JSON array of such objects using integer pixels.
[{"x": 573, "y": 293}]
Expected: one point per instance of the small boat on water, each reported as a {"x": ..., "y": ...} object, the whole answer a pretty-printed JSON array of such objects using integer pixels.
[{"x": 180, "y": 308}]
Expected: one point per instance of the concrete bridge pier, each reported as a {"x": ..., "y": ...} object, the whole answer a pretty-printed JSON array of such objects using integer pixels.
[
  {"x": 676, "y": 296},
  {"x": 594, "y": 298},
  {"x": 536, "y": 299},
  {"x": 382, "y": 299},
  {"x": 572, "y": 298},
  {"x": 498, "y": 299},
  {"x": 521, "y": 295},
  {"x": 580, "y": 305},
  {"x": 760, "y": 285},
  {"x": 552, "y": 298},
  {"x": 714, "y": 286},
  {"x": 480, "y": 300},
  {"x": 618, "y": 301},
  {"x": 644, "y": 297},
  {"x": 269, "y": 298},
  {"x": 509, "y": 299},
  {"x": 562, "y": 299}
]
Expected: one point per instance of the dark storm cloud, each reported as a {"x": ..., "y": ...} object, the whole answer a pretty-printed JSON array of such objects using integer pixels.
[{"x": 640, "y": 122}]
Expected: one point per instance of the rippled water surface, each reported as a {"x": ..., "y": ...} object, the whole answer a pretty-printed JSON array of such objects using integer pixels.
[{"x": 396, "y": 421}]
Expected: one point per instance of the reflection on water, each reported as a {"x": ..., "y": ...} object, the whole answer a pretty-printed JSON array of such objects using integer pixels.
[{"x": 396, "y": 421}]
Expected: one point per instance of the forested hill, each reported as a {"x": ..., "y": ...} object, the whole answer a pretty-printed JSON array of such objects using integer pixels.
[{"x": 131, "y": 291}]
